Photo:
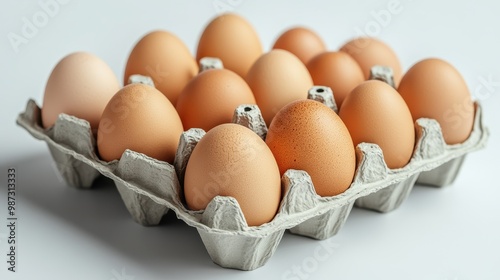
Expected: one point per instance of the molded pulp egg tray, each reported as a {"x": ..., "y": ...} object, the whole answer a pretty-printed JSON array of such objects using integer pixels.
[{"x": 149, "y": 188}]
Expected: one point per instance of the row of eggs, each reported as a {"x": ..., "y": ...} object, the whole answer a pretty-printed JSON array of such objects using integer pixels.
[{"x": 303, "y": 134}]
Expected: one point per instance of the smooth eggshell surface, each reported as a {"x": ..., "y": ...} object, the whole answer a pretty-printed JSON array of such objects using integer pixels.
[
  {"x": 233, "y": 40},
  {"x": 374, "y": 112},
  {"x": 369, "y": 52},
  {"x": 211, "y": 98},
  {"x": 307, "y": 135},
  {"x": 302, "y": 42},
  {"x": 434, "y": 89},
  {"x": 80, "y": 85},
  {"x": 336, "y": 70},
  {"x": 162, "y": 56},
  {"x": 231, "y": 160},
  {"x": 139, "y": 118},
  {"x": 276, "y": 79}
]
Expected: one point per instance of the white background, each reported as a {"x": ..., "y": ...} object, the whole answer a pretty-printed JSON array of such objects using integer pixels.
[{"x": 65, "y": 233}]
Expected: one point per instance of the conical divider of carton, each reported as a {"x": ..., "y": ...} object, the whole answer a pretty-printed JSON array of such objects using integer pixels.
[
  {"x": 385, "y": 189},
  {"x": 450, "y": 157},
  {"x": 139, "y": 180},
  {"x": 226, "y": 244},
  {"x": 76, "y": 134},
  {"x": 388, "y": 198},
  {"x": 443, "y": 175},
  {"x": 322, "y": 225},
  {"x": 69, "y": 141},
  {"x": 446, "y": 173},
  {"x": 429, "y": 142}
]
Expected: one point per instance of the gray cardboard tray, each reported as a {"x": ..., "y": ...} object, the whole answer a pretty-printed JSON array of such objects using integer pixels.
[{"x": 149, "y": 188}]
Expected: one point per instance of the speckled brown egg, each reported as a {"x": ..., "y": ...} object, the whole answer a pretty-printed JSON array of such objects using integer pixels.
[
  {"x": 231, "y": 160},
  {"x": 369, "y": 52},
  {"x": 139, "y": 118},
  {"x": 307, "y": 135},
  {"x": 337, "y": 70},
  {"x": 433, "y": 88},
  {"x": 211, "y": 98},
  {"x": 374, "y": 112},
  {"x": 302, "y": 42},
  {"x": 162, "y": 56},
  {"x": 276, "y": 79},
  {"x": 232, "y": 39}
]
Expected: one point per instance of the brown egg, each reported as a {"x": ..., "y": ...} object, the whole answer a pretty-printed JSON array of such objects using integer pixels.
[
  {"x": 139, "y": 118},
  {"x": 231, "y": 160},
  {"x": 211, "y": 98},
  {"x": 336, "y": 70},
  {"x": 276, "y": 79},
  {"x": 162, "y": 56},
  {"x": 80, "y": 85},
  {"x": 434, "y": 89},
  {"x": 374, "y": 112},
  {"x": 232, "y": 39},
  {"x": 369, "y": 52},
  {"x": 307, "y": 135},
  {"x": 302, "y": 42}
]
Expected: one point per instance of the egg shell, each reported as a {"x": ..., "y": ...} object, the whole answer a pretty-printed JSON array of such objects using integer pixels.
[
  {"x": 211, "y": 97},
  {"x": 139, "y": 118},
  {"x": 232, "y": 39},
  {"x": 307, "y": 135},
  {"x": 337, "y": 70},
  {"x": 231, "y": 160},
  {"x": 374, "y": 112},
  {"x": 433, "y": 88},
  {"x": 162, "y": 56},
  {"x": 276, "y": 79},
  {"x": 302, "y": 42},
  {"x": 81, "y": 85},
  {"x": 369, "y": 52}
]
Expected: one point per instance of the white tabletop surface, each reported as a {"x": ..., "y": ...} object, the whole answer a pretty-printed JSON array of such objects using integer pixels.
[{"x": 65, "y": 233}]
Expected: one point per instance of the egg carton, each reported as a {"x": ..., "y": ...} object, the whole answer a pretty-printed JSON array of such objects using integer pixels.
[{"x": 149, "y": 188}]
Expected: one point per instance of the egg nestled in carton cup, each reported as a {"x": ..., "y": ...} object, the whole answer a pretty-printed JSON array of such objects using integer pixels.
[{"x": 197, "y": 184}]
